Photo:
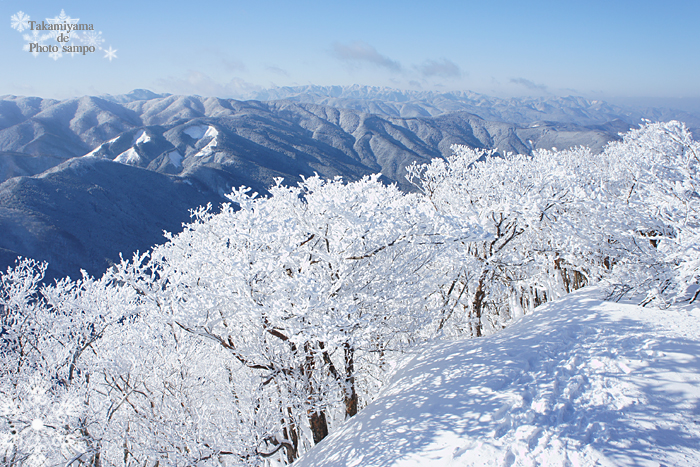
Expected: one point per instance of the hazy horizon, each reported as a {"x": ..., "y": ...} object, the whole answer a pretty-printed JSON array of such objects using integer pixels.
[
  {"x": 601, "y": 50},
  {"x": 682, "y": 104}
]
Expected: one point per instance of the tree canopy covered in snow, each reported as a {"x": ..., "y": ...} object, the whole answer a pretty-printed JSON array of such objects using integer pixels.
[{"x": 255, "y": 332}]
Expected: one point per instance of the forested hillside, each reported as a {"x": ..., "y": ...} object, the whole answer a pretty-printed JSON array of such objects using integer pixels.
[
  {"x": 90, "y": 177},
  {"x": 250, "y": 336}
]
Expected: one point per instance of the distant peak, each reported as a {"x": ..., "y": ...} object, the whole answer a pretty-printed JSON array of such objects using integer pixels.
[{"x": 135, "y": 95}]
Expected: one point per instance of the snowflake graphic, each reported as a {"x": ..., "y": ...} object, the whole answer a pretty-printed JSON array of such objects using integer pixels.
[
  {"x": 92, "y": 38},
  {"x": 110, "y": 53},
  {"x": 62, "y": 18},
  {"x": 20, "y": 21},
  {"x": 74, "y": 36},
  {"x": 34, "y": 38},
  {"x": 56, "y": 55},
  {"x": 71, "y": 41},
  {"x": 45, "y": 420}
]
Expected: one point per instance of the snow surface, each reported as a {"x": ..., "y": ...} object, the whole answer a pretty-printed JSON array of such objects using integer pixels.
[
  {"x": 94, "y": 151},
  {"x": 130, "y": 156},
  {"x": 580, "y": 382},
  {"x": 196, "y": 131},
  {"x": 201, "y": 132},
  {"x": 106, "y": 143},
  {"x": 208, "y": 149},
  {"x": 175, "y": 158},
  {"x": 142, "y": 138}
]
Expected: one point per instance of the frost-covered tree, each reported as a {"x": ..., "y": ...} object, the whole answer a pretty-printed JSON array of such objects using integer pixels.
[
  {"x": 529, "y": 205},
  {"x": 561, "y": 219},
  {"x": 50, "y": 357},
  {"x": 249, "y": 336},
  {"x": 307, "y": 293},
  {"x": 656, "y": 171}
]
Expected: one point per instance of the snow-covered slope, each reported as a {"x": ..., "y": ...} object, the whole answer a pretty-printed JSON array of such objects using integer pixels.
[
  {"x": 84, "y": 212},
  {"x": 220, "y": 144},
  {"x": 523, "y": 111},
  {"x": 580, "y": 382}
]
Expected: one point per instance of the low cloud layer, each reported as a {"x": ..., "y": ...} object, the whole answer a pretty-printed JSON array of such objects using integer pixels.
[
  {"x": 201, "y": 84},
  {"x": 277, "y": 70},
  {"x": 442, "y": 68},
  {"x": 529, "y": 84},
  {"x": 233, "y": 65},
  {"x": 358, "y": 52}
]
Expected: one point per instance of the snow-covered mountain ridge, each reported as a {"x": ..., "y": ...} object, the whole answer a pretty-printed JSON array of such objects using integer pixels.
[
  {"x": 158, "y": 137},
  {"x": 291, "y": 132},
  {"x": 523, "y": 110},
  {"x": 249, "y": 337},
  {"x": 581, "y": 382}
]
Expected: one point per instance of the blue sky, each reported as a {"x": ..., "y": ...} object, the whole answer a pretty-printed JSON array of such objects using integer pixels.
[{"x": 596, "y": 49}]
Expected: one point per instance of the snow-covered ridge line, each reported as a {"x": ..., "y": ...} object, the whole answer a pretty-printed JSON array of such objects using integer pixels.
[
  {"x": 258, "y": 329},
  {"x": 142, "y": 138},
  {"x": 523, "y": 110},
  {"x": 202, "y": 132},
  {"x": 579, "y": 382},
  {"x": 130, "y": 156}
]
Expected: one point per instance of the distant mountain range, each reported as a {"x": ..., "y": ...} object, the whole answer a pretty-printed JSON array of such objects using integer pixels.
[
  {"x": 87, "y": 178},
  {"x": 521, "y": 111}
]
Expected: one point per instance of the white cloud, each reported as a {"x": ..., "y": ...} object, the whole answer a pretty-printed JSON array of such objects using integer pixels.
[
  {"x": 442, "y": 68},
  {"x": 201, "y": 84},
  {"x": 277, "y": 70},
  {"x": 358, "y": 52},
  {"x": 530, "y": 85},
  {"x": 233, "y": 65}
]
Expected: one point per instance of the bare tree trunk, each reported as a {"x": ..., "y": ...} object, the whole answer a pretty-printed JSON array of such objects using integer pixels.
[
  {"x": 319, "y": 426},
  {"x": 350, "y": 394},
  {"x": 563, "y": 273},
  {"x": 290, "y": 433},
  {"x": 477, "y": 307},
  {"x": 573, "y": 279},
  {"x": 317, "y": 419}
]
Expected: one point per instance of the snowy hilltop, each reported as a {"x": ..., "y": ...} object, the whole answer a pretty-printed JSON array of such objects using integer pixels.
[
  {"x": 275, "y": 326},
  {"x": 180, "y": 152},
  {"x": 580, "y": 382}
]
